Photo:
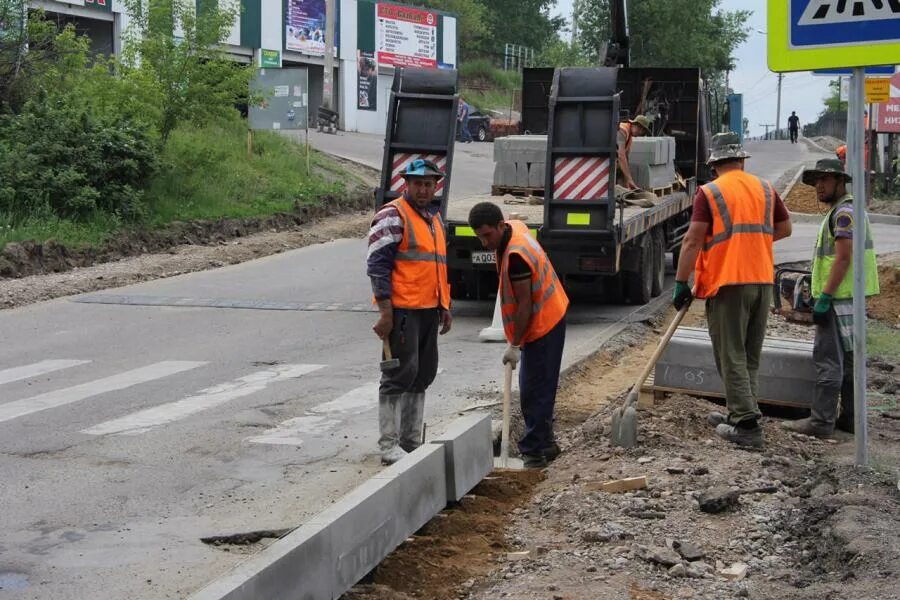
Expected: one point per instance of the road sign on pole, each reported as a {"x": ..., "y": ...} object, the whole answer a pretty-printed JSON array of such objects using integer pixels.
[
  {"x": 877, "y": 90},
  {"x": 822, "y": 34}
]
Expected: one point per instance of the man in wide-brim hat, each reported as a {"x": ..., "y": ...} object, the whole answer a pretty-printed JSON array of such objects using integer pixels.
[
  {"x": 728, "y": 246},
  {"x": 832, "y": 287}
]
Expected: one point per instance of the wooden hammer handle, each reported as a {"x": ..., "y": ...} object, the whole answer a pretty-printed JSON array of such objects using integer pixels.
[{"x": 387, "y": 349}]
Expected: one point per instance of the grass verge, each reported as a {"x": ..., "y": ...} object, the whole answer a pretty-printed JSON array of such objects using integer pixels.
[
  {"x": 204, "y": 174},
  {"x": 882, "y": 341}
]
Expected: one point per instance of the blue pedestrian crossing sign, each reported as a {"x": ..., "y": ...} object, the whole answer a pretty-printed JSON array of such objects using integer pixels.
[{"x": 825, "y": 34}]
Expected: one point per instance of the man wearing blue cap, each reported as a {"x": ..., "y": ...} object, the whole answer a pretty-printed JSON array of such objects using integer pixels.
[{"x": 407, "y": 265}]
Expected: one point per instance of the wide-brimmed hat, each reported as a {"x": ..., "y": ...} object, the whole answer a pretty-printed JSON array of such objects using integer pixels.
[
  {"x": 825, "y": 166},
  {"x": 644, "y": 121},
  {"x": 726, "y": 146},
  {"x": 422, "y": 168}
]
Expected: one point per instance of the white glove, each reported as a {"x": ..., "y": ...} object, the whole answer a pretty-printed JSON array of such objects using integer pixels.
[{"x": 511, "y": 356}]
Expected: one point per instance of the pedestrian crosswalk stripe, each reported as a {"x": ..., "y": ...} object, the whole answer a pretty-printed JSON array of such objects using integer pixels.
[
  {"x": 38, "y": 368},
  {"x": 355, "y": 401},
  {"x": 121, "y": 381},
  {"x": 144, "y": 420},
  {"x": 321, "y": 417},
  {"x": 292, "y": 431}
]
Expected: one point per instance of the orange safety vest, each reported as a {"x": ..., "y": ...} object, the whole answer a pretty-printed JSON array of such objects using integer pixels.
[
  {"x": 548, "y": 298},
  {"x": 738, "y": 249},
  {"x": 626, "y": 129},
  {"x": 419, "y": 278}
]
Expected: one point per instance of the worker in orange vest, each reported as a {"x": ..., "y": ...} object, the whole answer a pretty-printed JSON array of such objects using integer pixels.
[
  {"x": 407, "y": 265},
  {"x": 841, "y": 153},
  {"x": 533, "y": 303},
  {"x": 628, "y": 130},
  {"x": 728, "y": 246}
]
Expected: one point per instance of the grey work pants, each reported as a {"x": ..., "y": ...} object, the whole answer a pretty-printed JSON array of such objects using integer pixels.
[
  {"x": 737, "y": 316},
  {"x": 834, "y": 377}
]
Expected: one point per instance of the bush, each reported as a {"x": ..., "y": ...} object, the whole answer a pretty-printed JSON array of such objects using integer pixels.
[{"x": 59, "y": 160}]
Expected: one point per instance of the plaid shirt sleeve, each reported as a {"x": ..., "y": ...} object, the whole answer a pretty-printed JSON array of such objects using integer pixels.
[{"x": 385, "y": 236}]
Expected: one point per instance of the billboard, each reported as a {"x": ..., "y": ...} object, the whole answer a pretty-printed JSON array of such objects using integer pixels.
[
  {"x": 405, "y": 37},
  {"x": 305, "y": 27}
]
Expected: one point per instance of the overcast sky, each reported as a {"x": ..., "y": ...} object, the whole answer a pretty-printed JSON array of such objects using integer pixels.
[{"x": 802, "y": 92}]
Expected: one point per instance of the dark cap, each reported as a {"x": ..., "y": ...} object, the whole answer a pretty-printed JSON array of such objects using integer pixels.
[{"x": 825, "y": 166}]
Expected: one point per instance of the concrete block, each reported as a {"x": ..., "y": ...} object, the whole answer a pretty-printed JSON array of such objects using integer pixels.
[
  {"x": 651, "y": 150},
  {"x": 652, "y": 176},
  {"x": 327, "y": 555},
  {"x": 505, "y": 174},
  {"x": 536, "y": 174},
  {"x": 469, "y": 455},
  {"x": 787, "y": 372},
  {"x": 522, "y": 174}
]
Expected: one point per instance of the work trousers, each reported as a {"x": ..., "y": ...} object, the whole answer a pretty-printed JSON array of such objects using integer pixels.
[
  {"x": 539, "y": 366},
  {"x": 413, "y": 340},
  {"x": 737, "y": 317},
  {"x": 794, "y": 136},
  {"x": 834, "y": 377}
]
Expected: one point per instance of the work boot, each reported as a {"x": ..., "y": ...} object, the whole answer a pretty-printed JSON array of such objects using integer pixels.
[
  {"x": 716, "y": 418},
  {"x": 392, "y": 455},
  {"x": 808, "y": 427},
  {"x": 845, "y": 422},
  {"x": 751, "y": 438},
  {"x": 389, "y": 440},
  {"x": 534, "y": 461},
  {"x": 412, "y": 412},
  {"x": 551, "y": 452}
]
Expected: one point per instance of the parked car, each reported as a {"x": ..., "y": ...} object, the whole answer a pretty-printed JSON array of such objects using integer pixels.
[{"x": 479, "y": 127}]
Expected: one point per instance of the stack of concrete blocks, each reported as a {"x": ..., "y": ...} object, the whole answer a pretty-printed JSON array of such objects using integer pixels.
[
  {"x": 519, "y": 161},
  {"x": 652, "y": 162}
]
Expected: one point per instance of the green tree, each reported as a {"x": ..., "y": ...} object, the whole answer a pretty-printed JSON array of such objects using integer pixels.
[
  {"x": 675, "y": 33},
  {"x": 472, "y": 28},
  {"x": 524, "y": 22},
  {"x": 561, "y": 53},
  {"x": 175, "y": 53},
  {"x": 832, "y": 100}
]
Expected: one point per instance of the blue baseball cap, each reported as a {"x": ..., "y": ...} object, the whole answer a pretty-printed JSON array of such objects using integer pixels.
[{"x": 422, "y": 168}]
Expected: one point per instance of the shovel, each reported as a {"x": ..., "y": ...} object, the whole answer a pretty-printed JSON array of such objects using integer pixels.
[
  {"x": 623, "y": 430},
  {"x": 504, "y": 461}
]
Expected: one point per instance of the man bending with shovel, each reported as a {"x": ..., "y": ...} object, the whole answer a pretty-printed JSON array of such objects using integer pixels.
[
  {"x": 407, "y": 264},
  {"x": 533, "y": 304}
]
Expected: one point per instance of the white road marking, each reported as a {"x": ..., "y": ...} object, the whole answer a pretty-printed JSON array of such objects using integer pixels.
[
  {"x": 38, "y": 368},
  {"x": 291, "y": 432},
  {"x": 355, "y": 401},
  {"x": 54, "y": 399},
  {"x": 322, "y": 417},
  {"x": 145, "y": 420}
]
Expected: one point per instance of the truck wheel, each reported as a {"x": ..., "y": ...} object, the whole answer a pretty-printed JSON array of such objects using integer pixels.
[
  {"x": 639, "y": 284},
  {"x": 659, "y": 263}
]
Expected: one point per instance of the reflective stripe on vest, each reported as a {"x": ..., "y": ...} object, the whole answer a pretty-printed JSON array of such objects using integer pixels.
[
  {"x": 738, "y": 248},
  {"x": 419, "y": 278},
  {"x": 824, "y": 256},
  {"x": 548, "y": 299}
]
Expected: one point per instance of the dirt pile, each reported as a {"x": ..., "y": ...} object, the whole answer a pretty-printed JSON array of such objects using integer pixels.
[
  {"x": 886, "y": 305},
  {"x": 802, "y": 199}
]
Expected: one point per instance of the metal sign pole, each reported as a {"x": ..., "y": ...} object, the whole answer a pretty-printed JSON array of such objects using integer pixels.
[{"x": 855, "y": 155}]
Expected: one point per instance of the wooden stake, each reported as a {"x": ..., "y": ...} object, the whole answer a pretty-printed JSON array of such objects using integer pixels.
[{"x": 249, "y": 143}]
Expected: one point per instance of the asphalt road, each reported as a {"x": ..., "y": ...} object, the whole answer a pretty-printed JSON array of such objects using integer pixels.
[{"x": 135, "y": 421}]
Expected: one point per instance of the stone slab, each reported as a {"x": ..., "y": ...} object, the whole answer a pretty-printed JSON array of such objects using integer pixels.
[
  {"x": 522, "y": 174},
  {"x": 652, "y": 176},
  {"x": 330, "y": 553},
  {"x": 787, "y": 372},
  {"x": 536, "y": 174},
  {"x": 469, "y": 455}
]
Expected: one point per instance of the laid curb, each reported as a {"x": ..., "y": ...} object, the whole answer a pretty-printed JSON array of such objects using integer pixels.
[{"x": 325, "y": 557}]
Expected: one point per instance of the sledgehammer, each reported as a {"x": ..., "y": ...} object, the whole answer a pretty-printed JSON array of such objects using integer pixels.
[{"x": 388, "y": 363}]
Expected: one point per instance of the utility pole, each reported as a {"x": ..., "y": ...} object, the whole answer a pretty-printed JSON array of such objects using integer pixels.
[
  {"x": 778, "y": 113},
  {"x": 576, "y": 5},
  {"x": 766, "y": 125},
  {"x": 328, "y": 75}
]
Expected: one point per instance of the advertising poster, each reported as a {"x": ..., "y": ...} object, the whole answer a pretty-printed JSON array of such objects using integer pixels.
[
  {"x": 367, "y": 81},
  {"x": 405, "y": 37},
  {"x": 305, "y": 26}
]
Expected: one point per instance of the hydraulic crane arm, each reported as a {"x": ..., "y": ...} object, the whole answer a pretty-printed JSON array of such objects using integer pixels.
[{"x": 617, "y": 50}]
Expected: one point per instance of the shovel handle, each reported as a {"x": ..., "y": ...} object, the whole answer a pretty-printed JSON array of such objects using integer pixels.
[
  {"x": 504, "y": 432},
  {"x": 386, "y": 344}
]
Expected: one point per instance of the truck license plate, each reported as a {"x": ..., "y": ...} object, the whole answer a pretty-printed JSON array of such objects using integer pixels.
[{"x": 484, "y": 258}]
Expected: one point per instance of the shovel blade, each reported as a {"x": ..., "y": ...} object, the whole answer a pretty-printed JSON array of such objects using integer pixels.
[
  {"x": 614, "y": 426},
  {"x": 628, "y": 428}
]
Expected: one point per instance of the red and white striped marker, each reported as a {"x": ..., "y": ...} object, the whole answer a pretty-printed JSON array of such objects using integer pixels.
[
  {"x": 398, "y": 183},
  {"x": 580, "y": 178}
]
